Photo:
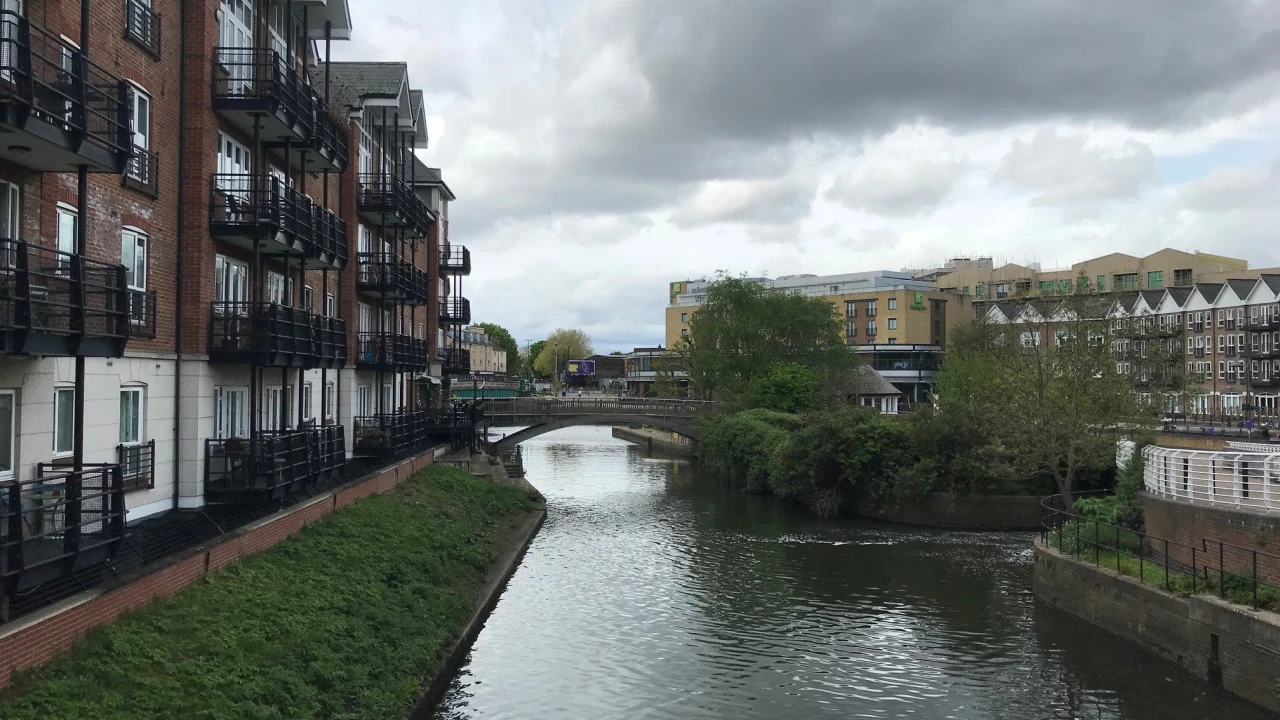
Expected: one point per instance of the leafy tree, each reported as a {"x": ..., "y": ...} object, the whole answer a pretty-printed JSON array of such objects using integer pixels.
[
  {"x": 561, "y": 345},
  {"x": 786, "y": 387},
  {"x": 743, "y": 329},
  {"x": 1047, "y": 392},
  {"x": 531, "y": 353},
  {"x": 494, "y": 330}
]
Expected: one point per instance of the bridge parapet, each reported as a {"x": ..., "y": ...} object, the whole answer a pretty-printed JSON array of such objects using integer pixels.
[{"x": 525, "y": 411}]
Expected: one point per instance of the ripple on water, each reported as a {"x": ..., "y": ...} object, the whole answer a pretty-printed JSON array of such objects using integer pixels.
[{"x": 652, "y": 592}]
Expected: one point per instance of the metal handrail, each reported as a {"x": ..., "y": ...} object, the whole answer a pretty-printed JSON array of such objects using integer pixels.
[
  {"x": 1079, "y": 536},
  {"x": 390, "y": 350},
  {"x": 142, "y": 172},
  {"x": 49, "y": 291},
  {"x": 142, "y": 26},
  {"x": 455, "y": 311},
  {"x": 59, "y": 514},
  {"x": 268, "y": 331},
  {"x": 261, "y": 74},
  {"x": 386, "y": 272},
  {"x": 137, "y": 465},
  {"x": 455, "y": 259},
  {"x": 1230, "y": 478}
]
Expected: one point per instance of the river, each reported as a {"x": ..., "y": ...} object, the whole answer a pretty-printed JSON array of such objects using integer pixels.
[{"x": 656, "y": 591}]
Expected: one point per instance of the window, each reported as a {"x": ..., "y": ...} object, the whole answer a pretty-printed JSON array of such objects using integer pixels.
[
  {"x": 140, "y": 117},
  {"x": 1155, "y": 280},
  {"x": 1046, "y": 286},
  {"x": 1002, "y": 290},
  {"x": 893, "y": 305},
  {"x": 8, "y": 408},
  {"x": 307, "y": 295},
  {"x": 364, "y": 317},
  {"x": 871, "y": 327},
  {"x": 893, "y": 323},
  {"x": 330, "y": 305},
  {"x": 964, "y": 290},
  {"x": 364, "y": 400},
  {"x": 130, "y": 415},
  {"x": 1102, "y": 283},
  {"x": 1222, "y": 318},
  {"x": 279, "y": 288},
  {"x": 850, "y": 308},
  {"x": 230, "y": 284},
  {"x": 66, "y": 232},
  {"x": 851, "y": 328},
  {"x": 1182, "y": 278},
  {"x": 1222, "y": 370},
  {"x": 981, "y": 290},
  {"x": 326, "y": 401},
  {"x": 684, "y": 317},
  {"x": 133, "y": 255},
  {"x": 64, "y": 420},
  {"x": 10, "y": 204},
  {"x": 871, "y": 308},
  {"x": 306, "y": 402},
  {"x": 684, "y": 332},
  {"x": 893, "y": 341},
  {"x": 230, "y": 405}
]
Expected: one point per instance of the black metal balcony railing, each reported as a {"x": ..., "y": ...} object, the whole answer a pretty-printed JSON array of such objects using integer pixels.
[
  {"x": 137, "y": 465},
  {"x": 1269, "y": 322},
  {"x": 272, "y": 335},
  {"x": 386, "y": 199},
  {"x": 457, "y": 359},
  {"x": 271, "y": 464},
  {"x": 142, "y": 26},
  {"x": 258, "y": 80},
  {"x": 327, "y": 138},
  {"x": 455, "y": 260},
  {"x": 391, "y": 352},
  {"x": 142, "y": 314},
  {"x": 68, "y": 110},
  {"x": 386, "y": 275},
  {"x": 390, "y": 433},
  {"x": 142, "y": 173},
  {"x": 455, "y": 311},
  {"x": 250, "y": 208},
  {"x": 57, "y": 303},
  {"x": 58, "y": 522}
]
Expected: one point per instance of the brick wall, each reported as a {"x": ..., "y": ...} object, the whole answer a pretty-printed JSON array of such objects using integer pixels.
[
  {"x": 34, "y": 639},
  {"x": 1180, "y": 630},
  {"x": 1204, "y": 527}
]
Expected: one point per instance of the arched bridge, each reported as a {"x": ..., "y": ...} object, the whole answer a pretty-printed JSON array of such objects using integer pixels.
[{"x": 543, "y": 415}]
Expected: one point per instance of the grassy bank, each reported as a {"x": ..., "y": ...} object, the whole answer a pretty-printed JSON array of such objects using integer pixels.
[{"x": 341, "y": 621}]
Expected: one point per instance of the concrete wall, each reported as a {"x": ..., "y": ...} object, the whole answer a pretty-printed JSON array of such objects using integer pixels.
[
  {"x": 1188, "y": 526},
  {"x": 660, "y": 440},
  {"x": 1227, "y": 645},
  {"x": 969, "y": 512}
]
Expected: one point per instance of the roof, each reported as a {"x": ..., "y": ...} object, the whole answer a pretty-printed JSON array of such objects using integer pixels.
[
  {"x": 351, "y": 82},
  {"x": 1179, "y": 294},
  {"x": 1209, "y": 291},
  {"x": 869, "y": 382},
  {"x": 419, "y": 175},
  {"x": 1242, "y": 288},
  {"x": 1273, "y": 282},
  {"x": 1153, "y": 297}
]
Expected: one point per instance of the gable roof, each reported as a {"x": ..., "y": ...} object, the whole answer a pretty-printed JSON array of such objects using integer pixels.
[
  {"x": 1210, "y": 291},
  {"x": 1273, "y": 282},
  {"x": 1242, "y": 288},
  {"x": 350, "y": 83},
  {"x": 1178, "y": 294}
]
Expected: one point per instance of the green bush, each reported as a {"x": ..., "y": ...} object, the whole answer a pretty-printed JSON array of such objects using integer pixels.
[
  {"x": 785, "y": 387},
  {"x": 743, "y": 444}
]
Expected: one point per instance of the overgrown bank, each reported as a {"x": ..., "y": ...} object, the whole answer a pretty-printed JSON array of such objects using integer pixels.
[{"x": 342, "y": 621}]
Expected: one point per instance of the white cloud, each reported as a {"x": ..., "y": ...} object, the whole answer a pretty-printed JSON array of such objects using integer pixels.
[{"x": 1066, "y": 169}]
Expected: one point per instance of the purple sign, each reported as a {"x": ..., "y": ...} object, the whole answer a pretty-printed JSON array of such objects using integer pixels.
[{"x": 581, "y": 367}]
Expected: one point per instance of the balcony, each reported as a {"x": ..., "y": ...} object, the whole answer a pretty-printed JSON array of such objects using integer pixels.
[
  {"x": 137, "y": 465},
  {"x": 455, "y": 260},
  {"x": 271, "y": 464},
  {"x": 387, "y": 200},
  {"x": 142, "y": 26},
  {"x": 248, "y": 210},
  {"x": 271, "y": 335},
  {"x": 1261, "y": 354},
  {"x": 457, "y": 360},
  {"x": 57, "y": 303},
  {"x": 58, "y": 109},
  {"x": 455, "y": 311},
  {"x": 386, "y": 276},
  {"x": 143, "y": 172},
  {"x": 391, "y": 352},
  {"x": 58, "y": 522},
  {"x": 142, "y": 314},
  {"x": 390, "y": 434},
  {"x": 1266, "y": 382},
  {"x": 1271, "y": 322}
]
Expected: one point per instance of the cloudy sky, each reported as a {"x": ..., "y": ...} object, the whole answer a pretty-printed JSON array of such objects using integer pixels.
[{"x": 602, "y": 148}]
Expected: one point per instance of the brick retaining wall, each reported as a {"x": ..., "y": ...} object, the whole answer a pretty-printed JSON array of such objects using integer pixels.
[
  {"x": 36, "y": 638},
  {"x": 1190, "y": 524},
  {"x": 1182, "y": 630}
]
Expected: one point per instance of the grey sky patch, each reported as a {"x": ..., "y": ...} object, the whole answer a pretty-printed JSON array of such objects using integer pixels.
[{"x": 1066, "y": 169}]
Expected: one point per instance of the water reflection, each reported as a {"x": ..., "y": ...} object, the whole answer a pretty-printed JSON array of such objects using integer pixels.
[{"x": 652, "y": 592}]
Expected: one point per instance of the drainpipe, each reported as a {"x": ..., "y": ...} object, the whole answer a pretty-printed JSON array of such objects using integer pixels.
[
  {"x": 178, "y": 270},
  {"x": 74, "y": 490}
]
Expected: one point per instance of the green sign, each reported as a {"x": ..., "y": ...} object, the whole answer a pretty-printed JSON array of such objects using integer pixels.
[{"x": 918, "y": 302}]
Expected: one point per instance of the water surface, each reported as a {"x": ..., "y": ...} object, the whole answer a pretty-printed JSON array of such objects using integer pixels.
[{"x": 654, "y": 591}]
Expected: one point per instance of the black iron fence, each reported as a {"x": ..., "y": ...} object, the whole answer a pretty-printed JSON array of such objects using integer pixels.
[
  {"x": 389, "y": 276},
  {"x": 275, "y": 335},
  {"x": 52, "y": 79},
  {"x": 259, "y": 79},
  {"x": 142, "y": 314},
  {"x": 142, "y": 173},
  {"x": 386, "y": 195},
  {"x": 391, "y": 352},
  {"x": 455, "y": 260},
  {"x": 394, "y": 433},
  {"x": 59, "y": 516},
  {"x": 137, "y": 465},
  {"x": 1241, "y": 574},
  {"x": 272, "y": 462},
  {"x": 142, "y": 26},
  {"x": 52, "y": 302},
  {"x": 457, "y": 359},
  {"x": 455, "y": 311},
  {"x": 330, "y": 239}
]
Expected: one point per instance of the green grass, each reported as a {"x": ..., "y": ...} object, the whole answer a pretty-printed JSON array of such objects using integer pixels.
[
  {"x": 1119, "y": 550},
  {"x": 341, "y": 621}
]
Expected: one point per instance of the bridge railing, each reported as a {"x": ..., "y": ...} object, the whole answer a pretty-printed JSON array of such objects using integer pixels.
[{"x": 568, "y": 407}]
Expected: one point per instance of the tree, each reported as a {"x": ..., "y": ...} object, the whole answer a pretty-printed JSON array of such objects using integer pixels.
[
  {"x": 1047, "y": 391},
  {"x": 560, "y": 346},
  {"x": 786, "y": 387},
  {"x": 530, "y": 354},
  {"x": 743, "y": 329},
  {"x": 508, "y": 343}
]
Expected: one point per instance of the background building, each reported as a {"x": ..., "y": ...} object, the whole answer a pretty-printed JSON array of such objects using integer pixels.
[{"x": 485, "y": 353}]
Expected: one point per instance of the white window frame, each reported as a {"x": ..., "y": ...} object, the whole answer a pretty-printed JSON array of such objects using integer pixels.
[
  {"x": 10, "y": 214},
  {"x": 228, "y": 424},
  {"x": 230, "y": 282},
  {"x": 364, "y": 400},
  {"x": 307, "y": 389},
  {"x": 330, "y": 305},
  {"x": 893, "y": 322},
  {"x": 60, "y": 405},
  {"x": 141, "y": 431},
  {"x": 67, "y": 244},
  {"x": 11, "y": 461},
  {"x": 308, "y": 296},
  {"x": 326, "y": 400}
]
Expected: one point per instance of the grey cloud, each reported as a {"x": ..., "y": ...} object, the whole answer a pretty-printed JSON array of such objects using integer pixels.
[
  {"x": 765, "y": 202},
  {"x": 899, "y": 188},
  {"x": 1065, "y": 169}
]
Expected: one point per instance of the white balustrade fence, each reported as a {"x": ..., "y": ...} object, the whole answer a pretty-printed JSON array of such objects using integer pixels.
[{"x": 1235, "y": 477}]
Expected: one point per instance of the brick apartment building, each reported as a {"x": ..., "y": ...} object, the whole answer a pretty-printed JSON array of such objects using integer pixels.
[
  {"x": 1209, "y": 352},
  {"x": 223, "y": 271}
]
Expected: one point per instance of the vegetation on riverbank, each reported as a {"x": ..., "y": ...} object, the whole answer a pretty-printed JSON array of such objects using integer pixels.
[{"x": 341, "y": 621}]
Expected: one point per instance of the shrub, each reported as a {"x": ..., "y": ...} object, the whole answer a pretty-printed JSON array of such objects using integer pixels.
[
  {"x": 742, "y": 445},
  {"x": 785, "y": 387}
]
